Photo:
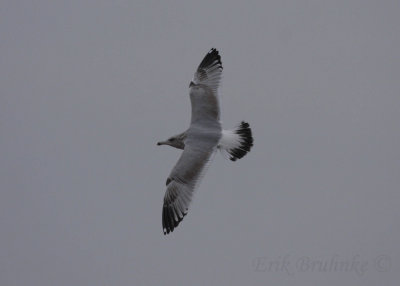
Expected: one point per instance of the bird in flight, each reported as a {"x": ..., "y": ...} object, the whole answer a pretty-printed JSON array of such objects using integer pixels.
[{"x": 200, "y": 141}]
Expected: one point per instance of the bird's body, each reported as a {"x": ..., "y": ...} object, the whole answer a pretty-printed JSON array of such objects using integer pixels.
[{"x": 200, "y": 141}]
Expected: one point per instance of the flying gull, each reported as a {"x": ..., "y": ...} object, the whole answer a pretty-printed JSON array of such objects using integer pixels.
[{"x": 200, "y": 142}]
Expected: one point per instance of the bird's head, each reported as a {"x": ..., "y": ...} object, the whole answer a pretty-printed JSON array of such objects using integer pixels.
[{"x": 176, "y": 141}]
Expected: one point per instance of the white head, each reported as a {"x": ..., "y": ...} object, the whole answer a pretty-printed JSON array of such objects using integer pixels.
[{"x": 177, "y": 141}]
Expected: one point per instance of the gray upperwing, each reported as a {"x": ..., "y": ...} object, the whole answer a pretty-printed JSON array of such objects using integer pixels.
[
  {"x": 205, "y": 105},
  {"x": 200, "y": 142},
  {"x": 182, "y": 183},
  {"x": 204, "y": 89}
]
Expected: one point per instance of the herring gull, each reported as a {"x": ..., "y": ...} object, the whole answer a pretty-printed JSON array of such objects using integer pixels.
[{"x": 200, "y": 142}]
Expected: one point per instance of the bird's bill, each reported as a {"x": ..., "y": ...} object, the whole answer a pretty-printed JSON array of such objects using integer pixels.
[{"x": 161, "y": 143}]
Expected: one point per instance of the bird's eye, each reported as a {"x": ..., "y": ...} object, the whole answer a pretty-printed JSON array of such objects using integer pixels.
[{"x": 171, "y": 140}]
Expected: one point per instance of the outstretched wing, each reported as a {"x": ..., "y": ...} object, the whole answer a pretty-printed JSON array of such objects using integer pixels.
[
  {"x": 202, "y": 139},
  {"x": 204, "y": 88},
  {"x": 209, "y": 71},
  {"x": 181, "y": 184}
]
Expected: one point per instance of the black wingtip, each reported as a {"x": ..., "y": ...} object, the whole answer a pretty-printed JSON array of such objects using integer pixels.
[
  {"x": 244, "y": 131},
  {"x": 168, "y": 219},
  {"x": 212, "y": 58}
]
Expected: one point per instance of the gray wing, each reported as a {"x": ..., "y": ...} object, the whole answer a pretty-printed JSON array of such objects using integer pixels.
[
  {"x": 202, "y": 139},
  {"x": 181, "y": 184},
  {"x": 204, "y": 89}
]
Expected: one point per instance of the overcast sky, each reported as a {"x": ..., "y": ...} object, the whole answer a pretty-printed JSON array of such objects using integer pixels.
[{"x": 87, "y": 88}]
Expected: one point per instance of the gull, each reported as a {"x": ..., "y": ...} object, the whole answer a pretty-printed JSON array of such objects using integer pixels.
[{"x": 200, "y": 141}]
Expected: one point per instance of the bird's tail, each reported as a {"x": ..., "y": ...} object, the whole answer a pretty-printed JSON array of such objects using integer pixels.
[{"x": 237, "y": 142}]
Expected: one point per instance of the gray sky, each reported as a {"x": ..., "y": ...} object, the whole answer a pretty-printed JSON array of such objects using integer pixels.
[{"x": 87, "y": 88}]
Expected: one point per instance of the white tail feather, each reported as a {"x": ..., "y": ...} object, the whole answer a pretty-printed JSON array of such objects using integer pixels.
[{"x": 236, "y": 143}]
